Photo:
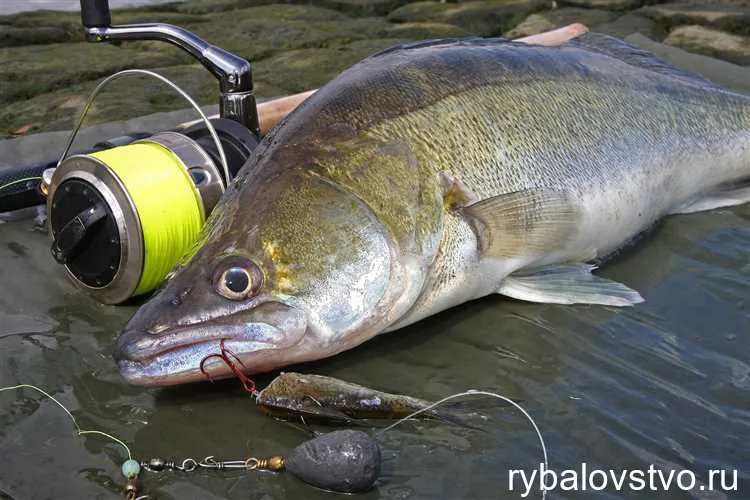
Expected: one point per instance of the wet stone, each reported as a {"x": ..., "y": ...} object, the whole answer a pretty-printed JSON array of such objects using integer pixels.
[
  {"x": 736, "y": 3},
  {"x": 486, "y": 17},
  {"x": 47, "y": 72},
  {"x": 492, "y": 17},
  {"x": 724, "y": 17},
  {"x": 424, "y": 30},
  {"x": 726, "y": 74},
  {"x": 711, "y": 42},
  {"x": 556, "y": 18},
  {"x": 629, "y": 24},
  {"x": 420, "y": 12},
  {"x": 11, "y": 36},
  {"x": 363, "y": 7},
  {"x": 618, "y": 5},
  {"x": 204, "y": 6}
]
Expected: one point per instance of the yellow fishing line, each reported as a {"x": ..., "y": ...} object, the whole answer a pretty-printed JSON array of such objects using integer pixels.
[{"x": 167, "y": 202}]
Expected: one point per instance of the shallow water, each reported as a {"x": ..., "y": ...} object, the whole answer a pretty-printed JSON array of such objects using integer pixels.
[{"x": 664, "y": 383}]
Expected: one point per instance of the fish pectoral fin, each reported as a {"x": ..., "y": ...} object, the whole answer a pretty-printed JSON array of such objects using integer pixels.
[
  {"x": 728, "y": 197},
  {"x": 524, "y": 223},
  {"x": 568, "y": 284}
]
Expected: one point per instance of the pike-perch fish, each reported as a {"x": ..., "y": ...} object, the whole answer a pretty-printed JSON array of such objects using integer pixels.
[{"x": 436, "y": 173}]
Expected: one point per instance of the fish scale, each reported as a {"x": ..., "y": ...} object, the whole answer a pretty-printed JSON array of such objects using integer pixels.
[{"x": 574, "y": 156}]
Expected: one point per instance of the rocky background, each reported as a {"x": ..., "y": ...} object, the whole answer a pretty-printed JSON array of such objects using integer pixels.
[{"x": 47, "y": 71}]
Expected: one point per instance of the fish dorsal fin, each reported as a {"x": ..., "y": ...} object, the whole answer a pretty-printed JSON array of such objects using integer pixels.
[
  {"x": 623, "y": 51},
  {"x": 456, "y": 41}
]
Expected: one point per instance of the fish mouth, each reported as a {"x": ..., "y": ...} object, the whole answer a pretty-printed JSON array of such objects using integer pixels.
[{"x": 259, "y": 338}]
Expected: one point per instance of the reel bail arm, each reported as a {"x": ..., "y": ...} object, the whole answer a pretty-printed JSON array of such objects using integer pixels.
[{"x": 233, "y": 72}]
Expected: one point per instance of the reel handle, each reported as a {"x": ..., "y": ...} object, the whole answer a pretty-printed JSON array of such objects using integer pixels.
[
  {"x": 73, "y": 233},
  {"x": 235, "y": 75},
  {"x": 95, "y": 13}
]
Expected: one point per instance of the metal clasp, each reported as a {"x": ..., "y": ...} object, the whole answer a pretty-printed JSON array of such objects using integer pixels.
[{"x": 211, "y": 463}]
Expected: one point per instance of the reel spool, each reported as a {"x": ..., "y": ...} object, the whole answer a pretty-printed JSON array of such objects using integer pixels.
[{"x": 123, "y": 217}]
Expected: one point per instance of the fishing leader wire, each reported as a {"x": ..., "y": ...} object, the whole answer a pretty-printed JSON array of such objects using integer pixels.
[
  {"x": 175, "y": 87},
  {"x": 130, "y": 468},
  {"x": 476, "y": 392},
  {"x": 79, "y": 431},
  {"x": 345, "y": 461},
  {"x": 227, "y": 356}
]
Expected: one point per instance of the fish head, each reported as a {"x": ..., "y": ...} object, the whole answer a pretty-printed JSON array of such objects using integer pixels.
[{"x": 291, "y": 267}]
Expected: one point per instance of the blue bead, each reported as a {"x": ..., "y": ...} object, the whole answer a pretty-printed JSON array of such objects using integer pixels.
[{"x": 130, "y": 468}]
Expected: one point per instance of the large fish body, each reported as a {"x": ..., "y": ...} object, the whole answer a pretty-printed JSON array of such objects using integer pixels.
[{"x": 433, "y": 174}]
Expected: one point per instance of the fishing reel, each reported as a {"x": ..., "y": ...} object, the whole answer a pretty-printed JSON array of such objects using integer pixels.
[{"x": 122, "y": 217}]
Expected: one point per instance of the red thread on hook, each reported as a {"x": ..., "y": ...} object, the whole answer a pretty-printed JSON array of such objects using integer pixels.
[{"x": 224, "y": 355}]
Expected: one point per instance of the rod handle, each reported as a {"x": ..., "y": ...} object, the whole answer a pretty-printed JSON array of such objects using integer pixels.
[{"x": 19, "y": 187}]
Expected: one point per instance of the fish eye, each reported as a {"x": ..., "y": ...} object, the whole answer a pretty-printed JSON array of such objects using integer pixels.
[{"x": 237, "y": 278}]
